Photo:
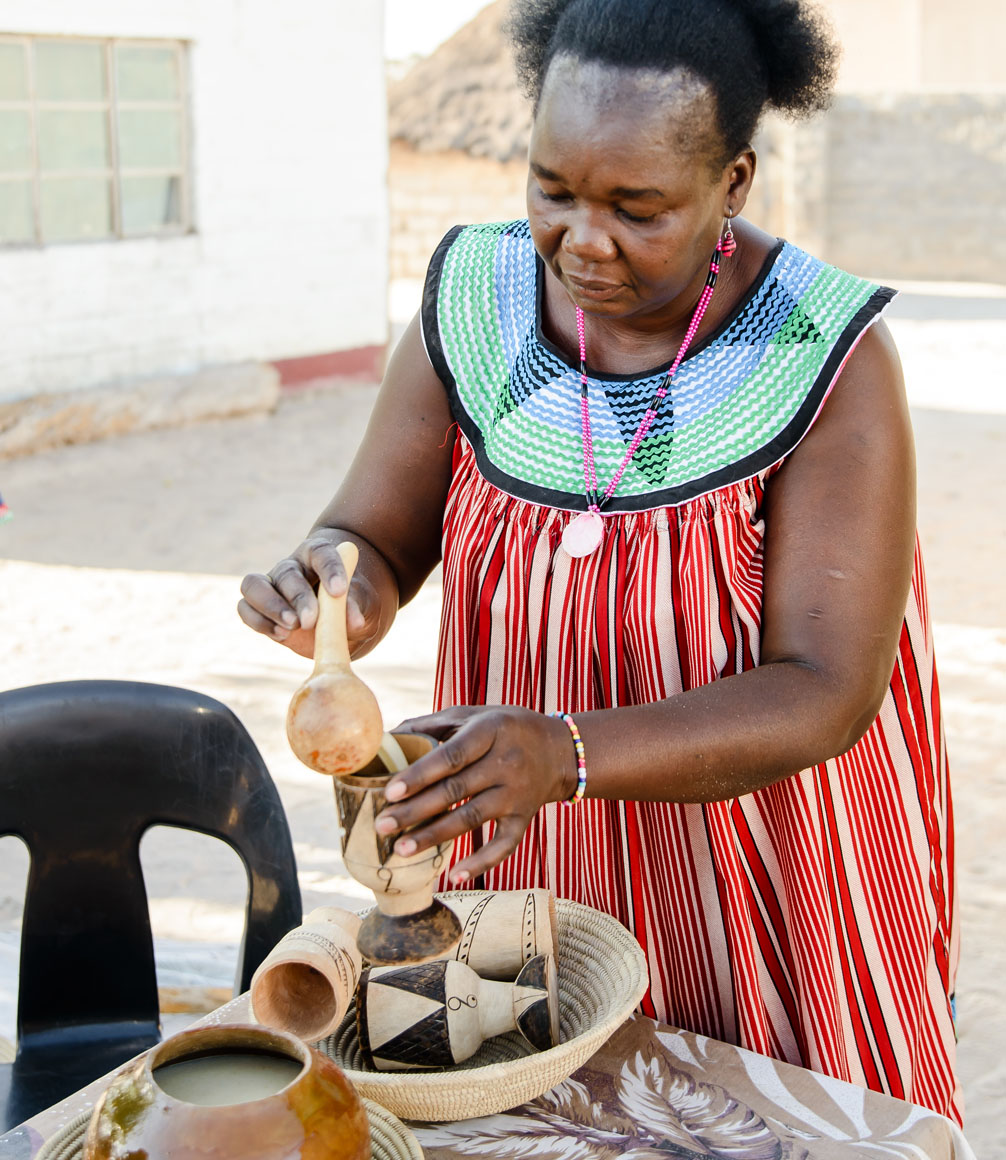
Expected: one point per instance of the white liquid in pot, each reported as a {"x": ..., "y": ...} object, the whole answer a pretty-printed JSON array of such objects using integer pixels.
[{"x": 232, "y": 1077}]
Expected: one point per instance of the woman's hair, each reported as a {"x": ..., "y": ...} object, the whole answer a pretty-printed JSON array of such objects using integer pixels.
[{"x": 752, "y": 53}]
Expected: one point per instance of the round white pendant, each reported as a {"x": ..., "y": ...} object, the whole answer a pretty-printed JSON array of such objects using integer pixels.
[{"x": 583, "y": 535}]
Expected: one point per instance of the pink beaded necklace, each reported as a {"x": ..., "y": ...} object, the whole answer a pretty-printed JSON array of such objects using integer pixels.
[{"x": 584, "y": 532}]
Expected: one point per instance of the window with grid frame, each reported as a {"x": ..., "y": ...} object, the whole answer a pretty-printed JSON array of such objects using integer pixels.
[{"x": 93, "y": 139}]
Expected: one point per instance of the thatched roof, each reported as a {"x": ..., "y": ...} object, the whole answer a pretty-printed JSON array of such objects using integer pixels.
[{"x": 464, "y": 95}]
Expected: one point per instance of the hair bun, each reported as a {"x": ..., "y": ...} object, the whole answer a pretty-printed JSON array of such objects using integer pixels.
[
  {"x": 798, "y": 49},
  {"x": 752, "y": 53}
]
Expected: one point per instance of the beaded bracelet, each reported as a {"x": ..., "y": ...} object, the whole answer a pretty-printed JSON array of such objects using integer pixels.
[{"x": 581, "y": 760}]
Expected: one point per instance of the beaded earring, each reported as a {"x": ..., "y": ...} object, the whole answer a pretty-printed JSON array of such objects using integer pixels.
[{"x": 729, "y": 242}]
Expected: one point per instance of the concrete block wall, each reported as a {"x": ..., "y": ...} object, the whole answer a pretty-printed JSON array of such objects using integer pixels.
[
  {"x": 891, "y": 185},
  {"x": 430, "y": 192},
  {"x": 289, "y": 167},
  {"x": 914, "y": 185}
]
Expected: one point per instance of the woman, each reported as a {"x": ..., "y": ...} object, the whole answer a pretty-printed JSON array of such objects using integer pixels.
[{"x": 700, "y": 549}]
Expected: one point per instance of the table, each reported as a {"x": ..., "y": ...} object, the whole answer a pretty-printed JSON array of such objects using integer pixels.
[{"x": 652, "y": 1092}]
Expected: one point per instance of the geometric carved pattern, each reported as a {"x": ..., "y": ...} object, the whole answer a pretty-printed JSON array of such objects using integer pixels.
[
  {"x": 425, "y": 979},
  {"x": 424, "y": 1044}
]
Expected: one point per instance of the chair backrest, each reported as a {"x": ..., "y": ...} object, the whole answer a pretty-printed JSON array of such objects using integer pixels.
[{"x": 85, "y": 768}]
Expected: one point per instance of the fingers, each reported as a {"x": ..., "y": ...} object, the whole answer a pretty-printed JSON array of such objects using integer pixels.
[
  {"x": 458, "y": 787},
  {"x": 284, "y": 600},
  {"x": 472, "y": 815},
  {"x": 363, "y": 612},
  {"x": 448, "y": 773},
  {"x": 263, "y": 609},
  {"x": 320, "y": 558},
  {"x": 506, "y": 837},
  {"x": 260, "y": 623},
  {"x": 489, "y": 768},
  {"x": 440, "y": 725},
  {"x": 296, "y": 639},
  {"x": 286, "y": 595},
  {"x": 292, "y": 601},
  {"x": 266, "y": 600}
]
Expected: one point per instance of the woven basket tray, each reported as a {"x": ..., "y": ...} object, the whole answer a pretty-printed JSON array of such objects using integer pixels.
[
  {"x": 390, "y": 1139},
  {"x": 602, "y": 977}
]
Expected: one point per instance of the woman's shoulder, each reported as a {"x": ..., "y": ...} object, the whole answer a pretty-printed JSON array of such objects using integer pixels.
[
  {"x": 508, "y": 227},
  {"x": 478, "y": 277},
  {"x": 824, "y": 294},
  {"x": 472, "y": 245}
]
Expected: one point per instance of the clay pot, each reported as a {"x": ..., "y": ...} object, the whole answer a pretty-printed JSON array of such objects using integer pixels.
[
  {"x": 306, "y": 983},
  {"x": 435, "y": 1015},
  {"x": 285, "y": 1100},
  {"x": 502, "y": 929},
  {"x": 409, "y": 925}
]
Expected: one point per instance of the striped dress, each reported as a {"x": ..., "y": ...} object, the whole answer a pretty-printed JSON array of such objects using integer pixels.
[{"x": 815, "y": 920}]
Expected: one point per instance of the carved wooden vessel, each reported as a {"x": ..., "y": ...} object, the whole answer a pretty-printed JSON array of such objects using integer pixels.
[
  {"x": 409, "y": 925},
  {"x": 334, "y": 723},
  {"x": 435, "y": 1015},
  {"x": 306, "y": 983},
  {"x": 502, "y": 929}
]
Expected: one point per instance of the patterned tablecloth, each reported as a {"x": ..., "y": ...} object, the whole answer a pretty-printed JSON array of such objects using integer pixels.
[
  {"x": 653, "y": 1092},
  {"x": 650, "y": 1093}
]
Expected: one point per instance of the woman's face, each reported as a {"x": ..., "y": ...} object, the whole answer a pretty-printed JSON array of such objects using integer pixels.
[{"x": 624, "y": 199}]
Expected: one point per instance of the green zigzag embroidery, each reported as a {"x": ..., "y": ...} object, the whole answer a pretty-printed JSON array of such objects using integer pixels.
[
  {"x": 506, "y": 403},
  {"x": 799, "y": 328},
  {"x": 653, "y": 458},
  {"x": 737, "y": 427}
]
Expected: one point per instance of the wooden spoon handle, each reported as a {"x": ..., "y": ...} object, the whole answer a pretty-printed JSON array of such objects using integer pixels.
[{"x": 331, "y": 646}]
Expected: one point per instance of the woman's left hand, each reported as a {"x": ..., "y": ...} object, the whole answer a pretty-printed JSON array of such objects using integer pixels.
[{"x": 503, "y": 763}]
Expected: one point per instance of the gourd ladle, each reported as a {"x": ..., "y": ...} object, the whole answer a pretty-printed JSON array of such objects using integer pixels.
[
  {"x": 334, "y": 723},
  {"x": 334, "y": 726}
]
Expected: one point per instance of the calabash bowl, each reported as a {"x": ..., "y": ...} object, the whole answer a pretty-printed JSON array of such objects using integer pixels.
[
  {"x": 317, "y": 1115},
  {"x": 390, "y": 1139}
]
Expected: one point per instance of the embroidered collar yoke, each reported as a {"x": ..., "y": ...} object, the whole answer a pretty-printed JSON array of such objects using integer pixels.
[{"x": 741, "y": 400}]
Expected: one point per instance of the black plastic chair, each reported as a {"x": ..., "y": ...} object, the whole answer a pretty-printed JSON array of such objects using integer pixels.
[{"x": 85, "y": 768}]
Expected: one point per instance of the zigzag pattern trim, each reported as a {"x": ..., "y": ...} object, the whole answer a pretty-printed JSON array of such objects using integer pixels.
[{"x": 740, "y": 401}]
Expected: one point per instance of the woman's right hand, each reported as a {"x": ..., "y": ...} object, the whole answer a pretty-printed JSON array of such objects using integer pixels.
[
  {"x": 394, "y": 493},
  {"x": 283, "y": 606}
]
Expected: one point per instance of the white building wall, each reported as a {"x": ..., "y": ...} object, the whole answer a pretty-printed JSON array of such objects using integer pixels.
[{"x": 289, "y": 177}]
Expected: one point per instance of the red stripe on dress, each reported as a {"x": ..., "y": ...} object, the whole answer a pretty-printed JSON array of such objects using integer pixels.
[
  {"x": 791, "y": 816},
  {"x": 680, "y": 633},
  {"x": 772, "y": 934},
  {"x": 636, "y": 885},
  {"x": 905, "y": 691},
  {"x": 864, "y": 1008}
]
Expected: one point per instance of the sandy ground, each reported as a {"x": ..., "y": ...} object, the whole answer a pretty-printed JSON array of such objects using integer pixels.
[{"x": 123, "y": 561}]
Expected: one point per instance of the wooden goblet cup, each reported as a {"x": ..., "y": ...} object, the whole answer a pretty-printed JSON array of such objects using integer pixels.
[
  {"x": 306, "y": 983},
  {"x": 503, "y": 929},
  {"x": 435, "y": 1015},
  {"x": 409, "y": 924}
]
